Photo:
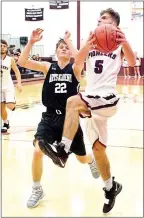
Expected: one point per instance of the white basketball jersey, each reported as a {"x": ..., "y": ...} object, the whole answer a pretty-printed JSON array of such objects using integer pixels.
[
  {"x": 102, "y": 70},
  {"x": 5, "y": 73},
  {"x": 137, "y": 62},
  {"x": 125, "y": 63}
]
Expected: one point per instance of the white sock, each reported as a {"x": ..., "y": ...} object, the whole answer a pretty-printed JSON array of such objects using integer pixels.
[
  {"x": 36, "y": 184},
  {"x": 67, "y": 143},
  {"x": 93, "y": 160},
  {"x": 108, "y": 184},
  {"x": 5, "y": 121}
]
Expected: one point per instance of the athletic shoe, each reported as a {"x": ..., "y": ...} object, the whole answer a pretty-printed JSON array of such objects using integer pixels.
[
  {"x": 5, "y": 128},
  {"x": 94, "y": 170},
  {"x": 37, "y": 195},
  {"x": 111, "y": 195}
]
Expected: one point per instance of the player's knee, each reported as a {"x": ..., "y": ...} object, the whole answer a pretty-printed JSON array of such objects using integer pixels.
[
  {"x": 71, "y": 102},
  {"x": 37, "y": 151},
  {"x": 81, "y": 159},
  {"x": 74, "y": 102},
  {"x": 38, "y": 154},
  {"x": 11, "y": 106},
  {"x": 98, "y": 148}
]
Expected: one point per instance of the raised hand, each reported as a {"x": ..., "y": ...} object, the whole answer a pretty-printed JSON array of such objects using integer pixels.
[
  {"x": 121, "y": 39},
  {"x": 36, "y": 35},
  {"x": 90, "y": 44},
  {"x": 67, "y": 35}
]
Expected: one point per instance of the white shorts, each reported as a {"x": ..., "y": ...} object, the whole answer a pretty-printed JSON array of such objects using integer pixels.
[
  {"x": 137, "y": 63},
  {"x": 101, "y": 109},
  {"x": 125, "y": 65},
  {"x": 8, "y": 96}
]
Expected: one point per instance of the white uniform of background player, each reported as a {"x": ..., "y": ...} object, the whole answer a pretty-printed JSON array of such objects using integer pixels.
[
  {"x": 137, "y": 62},
  {"x": 137, "y": 66},
  {"x": 125, "y": 63},
  {"x": 126, "y": 69},
  {"x": 7, "y": 92},
  {"x": 100, "y": 94}
]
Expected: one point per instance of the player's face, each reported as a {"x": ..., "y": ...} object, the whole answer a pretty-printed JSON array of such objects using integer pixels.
[
  {"x": 63, "y": 51},
  {"x": 3, "y": 48},
  {"x": 106, "y": 19}
]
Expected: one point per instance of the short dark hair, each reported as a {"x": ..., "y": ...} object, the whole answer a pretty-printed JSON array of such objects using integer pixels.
[
  {"x": 59, "y": 42},
  {"x": 115, "y": 15},
  {"x": 4, "y": 42}
]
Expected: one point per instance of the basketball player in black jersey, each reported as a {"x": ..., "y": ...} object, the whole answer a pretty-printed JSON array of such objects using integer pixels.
[{"x": 61, "y": 82}]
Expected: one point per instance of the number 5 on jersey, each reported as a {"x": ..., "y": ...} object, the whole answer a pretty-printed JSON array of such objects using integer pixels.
[
  {"x": 98, "y": 66},
  {"x": 60, "y": 88}
]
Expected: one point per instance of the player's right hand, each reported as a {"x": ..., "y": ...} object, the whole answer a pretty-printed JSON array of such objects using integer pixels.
[
  {"x": 67, "y": 35},
  {"x": 19, "y": 87},
  {"x": 90, "y": 42},
  {"x": 36, "y": 35}
]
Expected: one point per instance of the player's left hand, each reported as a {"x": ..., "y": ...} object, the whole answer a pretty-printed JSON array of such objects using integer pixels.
[
  {"x": 121, "y": 39},
  {"x": 67, "y": 35},
  {"x": 19, "y": 87}
]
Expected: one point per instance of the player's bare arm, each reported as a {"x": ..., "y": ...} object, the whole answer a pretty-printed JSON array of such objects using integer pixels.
[
  {"x": 126, "y": 48},
  {"x": 30, "y": 64},
  {"x": 74, "y": 52},
  {"x": 17, "y": 73},
  {"x": 69, "y": 43},
  {"x": 83, "y": 53}
]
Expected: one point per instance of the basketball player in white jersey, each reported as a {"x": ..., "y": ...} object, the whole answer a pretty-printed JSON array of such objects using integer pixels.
[
  {"x": 125, "y": 68},
  {"x": 7, "y": 93},
  {"x": 137, "y": 66},
  {"x": 99, "y": 102}
]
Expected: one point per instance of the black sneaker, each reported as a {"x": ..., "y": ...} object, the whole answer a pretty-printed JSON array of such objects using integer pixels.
[
  {"x": 111, "y": 195},
  {"x": 63, "y": 156},
  {"x": 48, "y": 150},
  {"x": 5, "y": 127}
]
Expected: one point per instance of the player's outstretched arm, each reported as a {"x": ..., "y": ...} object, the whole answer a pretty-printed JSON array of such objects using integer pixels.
[
  {"x": 70, "y": 44},
  {"x": 82, "y": 55},
  {"x": 30, "y": 64}
]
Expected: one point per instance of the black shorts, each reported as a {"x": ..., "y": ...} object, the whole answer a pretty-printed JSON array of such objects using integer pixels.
[{"x": 51, "y": 127}]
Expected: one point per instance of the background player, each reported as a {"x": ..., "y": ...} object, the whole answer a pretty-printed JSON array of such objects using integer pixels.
[
  {"x": 137, "y": 66},
  {"x": 60, "y": 83},
  {"x": 100, "y": 100},
  {"x": 8, "y": 93},
  {"x": 126, "y": 68}
]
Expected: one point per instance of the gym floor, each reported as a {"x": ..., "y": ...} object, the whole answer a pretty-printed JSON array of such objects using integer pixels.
[{"x": 72, "y": 191}]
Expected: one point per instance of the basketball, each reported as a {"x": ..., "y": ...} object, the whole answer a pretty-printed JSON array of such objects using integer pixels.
[{"x": 106, "y": 38}]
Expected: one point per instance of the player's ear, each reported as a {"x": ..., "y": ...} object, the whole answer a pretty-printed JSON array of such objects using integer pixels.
[{"x": 114, "y": 23}]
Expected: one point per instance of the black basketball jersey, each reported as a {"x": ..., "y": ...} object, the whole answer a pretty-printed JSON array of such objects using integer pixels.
[{"x": 59, "y": 85}]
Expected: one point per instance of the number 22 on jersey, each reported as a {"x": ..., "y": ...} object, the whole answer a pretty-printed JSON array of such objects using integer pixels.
[{"x": 60, "y": 88}]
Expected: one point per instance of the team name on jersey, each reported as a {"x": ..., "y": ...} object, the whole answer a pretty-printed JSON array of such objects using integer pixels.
[
  {"x": 4, "y": 67},
  {"x": 60, "y": 77},
  {"x": 98, "y": 53}
]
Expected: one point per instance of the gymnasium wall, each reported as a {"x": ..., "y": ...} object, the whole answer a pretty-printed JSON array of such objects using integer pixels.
[{"x": 57, "y": 21}]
